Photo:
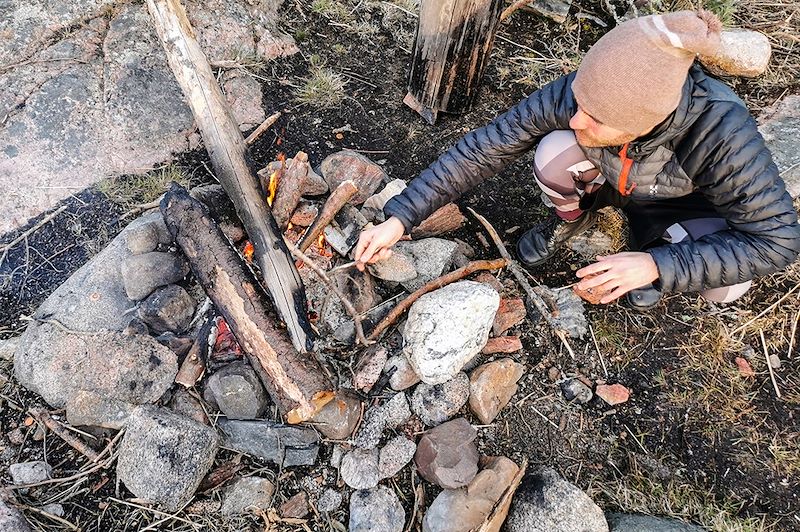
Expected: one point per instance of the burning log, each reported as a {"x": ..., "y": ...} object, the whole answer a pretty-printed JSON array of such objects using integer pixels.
[
  {"x": 296, "y": 382},
  {"x": 229, "y": 158},
  {"x": 336, "y": 201},
  {"x": 290, "y": 188}
]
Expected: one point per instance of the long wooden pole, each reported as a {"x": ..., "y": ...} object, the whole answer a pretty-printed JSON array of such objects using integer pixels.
[{"x": 229, "y": 158}]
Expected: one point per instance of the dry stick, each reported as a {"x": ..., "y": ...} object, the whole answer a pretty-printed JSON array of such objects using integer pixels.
[
  {"x": 64, "y": 434},
  {"x": 44, "y": 221},
  {"x": 299, "y": 255},
  {"x": 769, "y": 366},
  {"x": 513, "y": 7},
  {"x": 597, "y": 347},
  {"x": 333, "y": 205},
  {"x": 50, "y": 516},
  {"x": 102, "y": 465},
  {"x": 519, "y": 274},
  {"x": 791, "y": 337},
  {"x": 437, "y": 283},
  {"x": 766, "y": 310},
  {"x": 265, "y": 125}
]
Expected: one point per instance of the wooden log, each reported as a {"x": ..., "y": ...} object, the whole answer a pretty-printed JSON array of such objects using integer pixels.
[
  {"x": 333, "y": 205},
  {"x": 443, "y": 220},
  {"x": 453, "y": 45},
  {"x": 229, "y": 158},
  {"x": 291, "y": 185},
  {"x": 296, "y": 381}
]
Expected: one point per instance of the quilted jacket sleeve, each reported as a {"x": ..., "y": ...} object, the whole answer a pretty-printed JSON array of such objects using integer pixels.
[
  {"x": 484, "y": 152},
  {"x": 734, "y": 170}
]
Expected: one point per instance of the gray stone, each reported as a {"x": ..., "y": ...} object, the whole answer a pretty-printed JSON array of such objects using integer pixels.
[
  {"x": 7, "y": 348},
  {"x": 446, "y": 328},
  {"x": 248, "y": 494},
  {"x": 11, "y": 519},
  {"x": 571, "y": 312},
  {"x": 404, "y": 375},
  {"x": 391, "y": 414},
  {"x": 100, "y": 99},
  {"x": 29, "y": 472},
  {"x": 237, "y": 391},
  {"x": 647, "y": 523},
  {"x": 277, "y": 443},
  {"x": 544, "y": 502},
  {"x": 329, "y": 501},
  {"x": 398, "y": 268},
  {"x": 436, "y": 403},
  {"x": 368, "y": 368},
  {"x": 555, "y": 10},
  {"x": 780, "y": 127},
  {"x": 185, "y": 404},
  {"x": 741, "y": 52},
  {"x": 338, "y": 419},
  {"x": 350, "y": 165},
  {"x": 359, "y": 288},
  {"x": 447, "y": 455},
  {"x": 359, "y": 468},
  {"x": 164, "y": 456},
  {"x": 376, "y": 510},
  {"x": 90, "y": 409},
  {"x": 133, "y": 369},
  {"x": 141, "y": 274},
  {"x": 142, "y": 239},
  {"x": 343, "y": 233},
  {"x": 473, "y": 503},
  {"x": 591, "y": 244},
  {"x": 373, "y": 206},
  {"x": 395, "y": 455},
  {"x": 431, "y": 257},
  {"x": 575, "y": 390},
  {"x": 243, "y": 93},
  {"x": 346, "y": 331},
  {"x": 167, "y": 309}
]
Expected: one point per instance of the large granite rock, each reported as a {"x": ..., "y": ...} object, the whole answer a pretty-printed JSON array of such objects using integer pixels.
[
  {"x": 164, "y": 456},
  {"x": 545, "y": 502},
  {"x": 446, "y": 328},
  {"x": 430, "y": 257},
  {"x": 89, "y": 93},
  {"x": 780, "y": 127}
]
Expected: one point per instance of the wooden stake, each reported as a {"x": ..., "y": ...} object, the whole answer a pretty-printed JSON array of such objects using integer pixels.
[
  {"x": 430, "y": 286},
  {"x": 229, "y": 158},
  {"x": 265, "y": 125},
  {"x": 335, "y": 202}
]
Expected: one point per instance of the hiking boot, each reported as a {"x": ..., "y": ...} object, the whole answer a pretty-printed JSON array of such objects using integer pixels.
[
  {"x": 540, "y": 242},
  {"x": 643, "y": 298}
]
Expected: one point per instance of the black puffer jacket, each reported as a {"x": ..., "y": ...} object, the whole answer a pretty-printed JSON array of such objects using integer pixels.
[{"x": 710, "y": 145}]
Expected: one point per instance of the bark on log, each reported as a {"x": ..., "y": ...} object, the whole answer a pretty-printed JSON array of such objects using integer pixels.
[
  {"x": 443, "y": 220},
  {"x": 453, "y": 45},
  {"x": 229, "y": 158},
  {"x": 291, "y": 184},
  {"x": 333, "y": 205},
  {"x": 295, "y": 381}
]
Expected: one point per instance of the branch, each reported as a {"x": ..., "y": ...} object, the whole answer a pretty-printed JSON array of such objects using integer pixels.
[
  {"x": 430, "y": 286},
  {"x": 59, "y": 430},
  {"x": 337, "y": 199},
  {"x": 265, "y": 125}
]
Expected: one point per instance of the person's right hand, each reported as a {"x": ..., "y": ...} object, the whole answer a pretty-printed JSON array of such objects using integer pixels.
[{"x": 374, "y": 242}]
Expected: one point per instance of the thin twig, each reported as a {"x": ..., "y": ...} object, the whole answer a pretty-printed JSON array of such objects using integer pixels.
[
  {"x": 635, "y": 438},
  {"x": 597, "y": 348},
  {"x": 64, "y": 434},
  {"x": 5, "y": 248},
  {"x": 769, "y": 366},
  {"x": 791, "y": 336},
  {"x": 50, "y": 516},
  {"x": 544, "y": 417},
  {"x": 766, "y": 310},
  {"x": 513, "y": 7},
  {"x": 332, "y": 287},
  {"x": 157, "y": 512},
  {"x": 61, "y": 326},
  {"x": 430, "y": 286},
  {"x": 265, "y": 125}
]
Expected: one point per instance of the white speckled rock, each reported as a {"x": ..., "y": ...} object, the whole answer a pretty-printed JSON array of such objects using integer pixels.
[
  {"x": 742, "y": 53},
  {"x": 447, "y": 327}
]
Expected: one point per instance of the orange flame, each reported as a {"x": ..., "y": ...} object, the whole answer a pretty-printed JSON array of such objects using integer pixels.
[
  {"x": 248, "y": 251},
  {"x": 272, "y": 189},
  {"x": 321, "y": 242}
]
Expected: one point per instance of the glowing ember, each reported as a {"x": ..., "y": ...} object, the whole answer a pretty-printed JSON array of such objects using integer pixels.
[
  {"x": 321, "y": 242},
  {"x": 247, "y": 252},
  {"x": 273, "y": 187},
  {"x": 225, "y": 343}
]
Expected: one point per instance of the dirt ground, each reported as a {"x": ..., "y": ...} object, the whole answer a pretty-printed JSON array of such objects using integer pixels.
[{"x": 697, "y": 441}]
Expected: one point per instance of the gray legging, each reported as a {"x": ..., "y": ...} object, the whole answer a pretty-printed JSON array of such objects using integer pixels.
[{"x": 565, "y": 175}]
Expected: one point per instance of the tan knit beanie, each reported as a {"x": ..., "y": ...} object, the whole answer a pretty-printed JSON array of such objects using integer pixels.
[{"x": 632, "y": 78}]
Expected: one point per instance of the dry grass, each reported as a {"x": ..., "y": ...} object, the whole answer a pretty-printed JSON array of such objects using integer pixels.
[
  {"x": 323, "y": 88},
  {"x": 131, "y": 190}
]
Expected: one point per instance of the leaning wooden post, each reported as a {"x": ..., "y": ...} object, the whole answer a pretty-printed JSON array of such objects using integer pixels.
[
  {"x": 454, "y": 41},
  {"x": 229, "y": 158}
]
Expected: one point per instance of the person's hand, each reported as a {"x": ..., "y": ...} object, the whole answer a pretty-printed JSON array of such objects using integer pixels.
[
  {"x": 374, "y": 242},
  {"x": 618, "y": 274}
]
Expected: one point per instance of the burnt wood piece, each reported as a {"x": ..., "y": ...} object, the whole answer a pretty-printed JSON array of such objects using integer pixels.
[
  {"x": 444, "y": 220},
  {"x": 229, "y": 158},
  {"x": 453, "y": 45},
  {"x": 338, "y": 198},
  {"x": 291, "y": 185},
  {"x": 295, "y": 381}
]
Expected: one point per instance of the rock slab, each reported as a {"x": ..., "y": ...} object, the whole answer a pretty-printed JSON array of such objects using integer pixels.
[
  {"x": 164, "y": 456},
  {"x": 271, "y": 441},
  {"x": 376, "y": 510},
  {"x": 447, "y": 456},
  {"x": 446, "y": 328},
  {"x": 492, "y": 386},
  {"x": 248, "y": 494},
  {"x": 544, "y": 502},
  {"x": 647, "y": 523}
]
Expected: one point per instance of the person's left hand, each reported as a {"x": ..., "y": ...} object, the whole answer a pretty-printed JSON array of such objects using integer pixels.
[{"x": 618, "y": 274}]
